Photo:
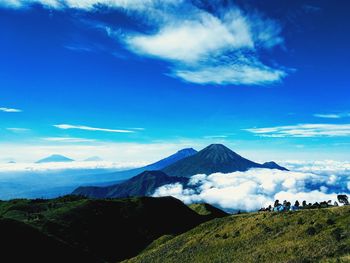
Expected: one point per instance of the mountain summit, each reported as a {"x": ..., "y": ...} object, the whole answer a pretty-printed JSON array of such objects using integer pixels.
[
  {"x": 55, "y": 158},
  {"x": 214, "y": 158}
]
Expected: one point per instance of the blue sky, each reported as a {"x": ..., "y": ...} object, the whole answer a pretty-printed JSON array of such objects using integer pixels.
[{"x": 268, "y": 78}]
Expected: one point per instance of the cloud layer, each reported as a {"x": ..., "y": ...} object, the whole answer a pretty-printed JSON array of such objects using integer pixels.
[
  {"x": 204, "y": 43},
  {"x": 258, "y": 188},
  {"x": 304, "y": 130}
]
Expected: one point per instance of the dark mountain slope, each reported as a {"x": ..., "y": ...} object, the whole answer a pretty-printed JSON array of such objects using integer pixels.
[
  {"x": 23, "y": 243},
  {"x": 143, "y": 184},
  {"x": 214, "y": 158},
  {"x": 111, "y": 230}
]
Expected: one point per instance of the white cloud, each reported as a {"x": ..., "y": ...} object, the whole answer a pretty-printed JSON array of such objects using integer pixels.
[
  {"x": 86, "y": 4},
  {"x": 213, "y": 49},
  {"x": 333, "y": 115},
  {"x": 87, "y": 128},
  {"x": 67, "y": 139},
  {"x": 328, "y": 116},
  {"x": 304, "y": 130},
  {"x": 9, "y": 110},
  {"x": 18, "y": 130},
  {"x": 203, "y": 47},
  {"x": 52, "y": 166},
  {"x": 258, "y": 188}
]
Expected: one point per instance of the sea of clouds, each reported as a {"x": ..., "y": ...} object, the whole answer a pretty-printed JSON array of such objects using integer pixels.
[{"x": 256, "y": 188}]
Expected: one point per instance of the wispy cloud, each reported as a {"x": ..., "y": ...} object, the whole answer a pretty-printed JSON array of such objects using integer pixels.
[
  {"x": 18, "y": 130},
  {"x": 304, "y": 130},
  {"x": 333, "y": 115},
  {"x": 215, "y": 136},
  {"x": 220, "y": 48},
  {"x": 3, "y": 109},
  {"x": 87, "y": 128},
  {"x": 67, "y": 139},
  {"x": 220, "y": 44}
]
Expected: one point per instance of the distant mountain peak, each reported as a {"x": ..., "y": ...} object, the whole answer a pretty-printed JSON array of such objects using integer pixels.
[
  {"x": 213, "y": 158},
  {"x": 188, "y": 151},
  {"x": 55, "y": 158}
]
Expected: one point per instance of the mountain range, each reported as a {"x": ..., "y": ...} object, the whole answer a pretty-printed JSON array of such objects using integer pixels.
[{"x": 182, "y": 165}]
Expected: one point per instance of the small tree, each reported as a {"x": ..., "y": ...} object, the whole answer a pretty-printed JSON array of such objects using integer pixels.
[
  {"x": 296, "y": 204},
  {"x": 304, "y": 203},
  {"x": 277, "y": 203},
  {"x": 343, "y": 199}
]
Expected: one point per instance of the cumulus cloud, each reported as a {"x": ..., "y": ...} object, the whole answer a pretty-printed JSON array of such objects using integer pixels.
[
  {"x": 3, "y": 109},
  {"x": 303, "y": 130},
  {"x": 87, "y": 128},
  {"x": 258, "y": 188},
  {"x": 219, "y": 45}
]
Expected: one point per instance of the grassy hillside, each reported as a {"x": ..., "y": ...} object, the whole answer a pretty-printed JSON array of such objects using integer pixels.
[
  {"x": 319, "y": 235},
  {"x": 109, "y": 229},
  {"x": 207, "y": 210}
]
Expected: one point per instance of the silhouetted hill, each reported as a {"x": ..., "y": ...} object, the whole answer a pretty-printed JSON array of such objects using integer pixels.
[
  {"x": 123, "y": 175},
  {"x": 143, "y": 184},
  {"x": 111, "y": 230},
  {"x": 55, "y": 158},
  {"x": 21, "y": 242},
  {"x": 214, "y": 158}
]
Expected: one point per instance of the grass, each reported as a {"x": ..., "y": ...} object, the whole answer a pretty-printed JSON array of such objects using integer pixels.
[{"x": 319, "y": 235}]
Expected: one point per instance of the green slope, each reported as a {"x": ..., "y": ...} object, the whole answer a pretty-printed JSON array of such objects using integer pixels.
[
  {"x": 320, "y": 235},
  {"x": 207, "y": 210}
]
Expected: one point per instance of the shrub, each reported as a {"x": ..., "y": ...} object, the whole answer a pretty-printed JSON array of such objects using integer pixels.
[
  {"x": 300, "y": 221},
  {"x": 311, "y": 231},
  {"x": 330, "y": 221}
]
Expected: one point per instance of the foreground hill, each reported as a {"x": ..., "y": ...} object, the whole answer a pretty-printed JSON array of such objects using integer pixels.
[
  {"x": 319, "y": 235},
  {"x": 212, "y": 159},
  {"x": 21, "y": 242},
  {"x": 143, "y": 184},
  {"x": 106, "y": 230}
]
